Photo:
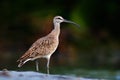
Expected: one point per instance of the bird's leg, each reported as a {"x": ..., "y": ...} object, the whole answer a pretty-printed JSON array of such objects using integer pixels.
[
  {"x": 48, "y": 61},
  {"x": 37, "y": 65}
]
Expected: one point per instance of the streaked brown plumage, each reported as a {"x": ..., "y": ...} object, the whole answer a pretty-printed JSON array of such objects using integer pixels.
[
  {"x": 41, "y": 48},
  {"x": 45, "y": 46}
]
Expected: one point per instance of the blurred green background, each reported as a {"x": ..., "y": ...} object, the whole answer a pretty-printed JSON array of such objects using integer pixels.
[{"x": 95, "y": 45}]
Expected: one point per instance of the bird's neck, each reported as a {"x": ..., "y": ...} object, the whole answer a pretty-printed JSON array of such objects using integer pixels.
[{"x": 56, "y": 30}]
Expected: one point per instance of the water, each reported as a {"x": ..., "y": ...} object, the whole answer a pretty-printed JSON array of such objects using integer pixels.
[
  {"x": 94, "y": 74},
  {"x": 98, "y": 74}
]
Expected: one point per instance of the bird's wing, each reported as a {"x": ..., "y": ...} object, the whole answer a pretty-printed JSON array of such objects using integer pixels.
[{"x": 39, "y": 48}]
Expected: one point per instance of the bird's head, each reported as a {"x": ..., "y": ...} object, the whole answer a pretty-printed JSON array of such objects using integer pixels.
[{"x": 59, "y": 19}]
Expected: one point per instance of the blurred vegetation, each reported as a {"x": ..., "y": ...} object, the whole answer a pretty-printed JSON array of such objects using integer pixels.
[{"x": 95, "y": 45}]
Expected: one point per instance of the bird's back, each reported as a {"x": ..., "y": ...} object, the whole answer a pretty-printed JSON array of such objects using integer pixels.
[{"x": 43, "y": 47}]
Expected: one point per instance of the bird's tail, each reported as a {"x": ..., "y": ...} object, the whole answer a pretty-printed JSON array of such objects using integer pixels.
[
  {"x": 22, "y": 61},
  {"x": 20, "y": 64}
]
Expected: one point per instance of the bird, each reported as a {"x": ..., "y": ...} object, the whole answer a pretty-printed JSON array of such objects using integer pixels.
[{"x": 45, "y": 46}]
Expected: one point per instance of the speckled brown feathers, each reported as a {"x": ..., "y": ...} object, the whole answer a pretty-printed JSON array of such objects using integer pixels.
[{"x": 43, "y": 47}]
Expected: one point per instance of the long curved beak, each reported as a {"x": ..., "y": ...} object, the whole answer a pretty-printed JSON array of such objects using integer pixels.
[{"x": 67, "y": 21}]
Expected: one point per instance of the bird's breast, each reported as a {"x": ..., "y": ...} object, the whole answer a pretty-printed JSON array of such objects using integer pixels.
[{"x": 50, "y": 46}]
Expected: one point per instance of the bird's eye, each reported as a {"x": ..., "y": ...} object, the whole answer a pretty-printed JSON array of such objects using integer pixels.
[{"x": 59, "y": 18}]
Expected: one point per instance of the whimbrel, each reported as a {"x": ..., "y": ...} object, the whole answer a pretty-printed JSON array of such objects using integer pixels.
[{"x": 45, "y": 46}]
